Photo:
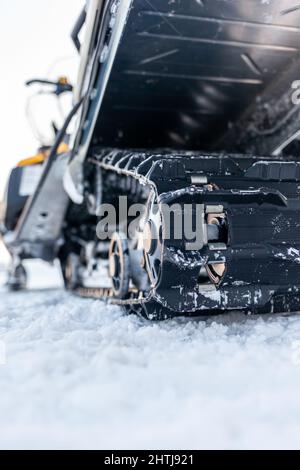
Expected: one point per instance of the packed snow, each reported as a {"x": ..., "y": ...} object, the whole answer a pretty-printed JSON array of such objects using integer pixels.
[{"x": 80, "y": 374}]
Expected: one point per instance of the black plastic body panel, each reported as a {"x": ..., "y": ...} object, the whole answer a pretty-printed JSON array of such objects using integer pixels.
[{"x": 14, "y": 203}]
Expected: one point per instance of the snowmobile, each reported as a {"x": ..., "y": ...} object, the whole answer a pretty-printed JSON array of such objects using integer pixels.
[
  {"x": 26, "y": 175},
  {"x": 187, "y": 106}
]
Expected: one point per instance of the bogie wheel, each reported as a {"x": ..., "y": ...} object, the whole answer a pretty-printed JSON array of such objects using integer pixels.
[
  {"x": 119, "y": 265},
  {"x": 71, "y": 267},
  {"x": 17, "y": 278}
]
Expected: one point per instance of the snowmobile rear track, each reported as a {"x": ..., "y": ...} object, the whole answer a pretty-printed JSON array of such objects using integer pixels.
[{"x": 260, "y": 250}]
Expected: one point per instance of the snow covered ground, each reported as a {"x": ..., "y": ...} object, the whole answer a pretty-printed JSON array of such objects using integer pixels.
[{"x": 79, "y": 374}]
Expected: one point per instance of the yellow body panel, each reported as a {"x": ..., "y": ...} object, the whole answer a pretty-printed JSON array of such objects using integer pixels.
[
  {"x": 35, "y": 160},
  {"x": 40, "y": 157},
  {"x": 63, "y": 148}
]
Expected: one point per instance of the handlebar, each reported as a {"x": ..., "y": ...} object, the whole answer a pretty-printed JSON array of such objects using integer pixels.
[
  {"x": 61, "y": 86},
  {"x": 39, "y": 81}
]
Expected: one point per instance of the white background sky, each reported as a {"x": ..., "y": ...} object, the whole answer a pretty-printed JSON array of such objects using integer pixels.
[{"x": 34, "y": 34}]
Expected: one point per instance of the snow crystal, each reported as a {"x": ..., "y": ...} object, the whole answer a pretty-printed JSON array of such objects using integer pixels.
[{"x": 80, "y": 374}]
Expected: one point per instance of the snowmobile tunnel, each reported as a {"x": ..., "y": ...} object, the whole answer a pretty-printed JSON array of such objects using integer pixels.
[{"x": 183, "y": 70}]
